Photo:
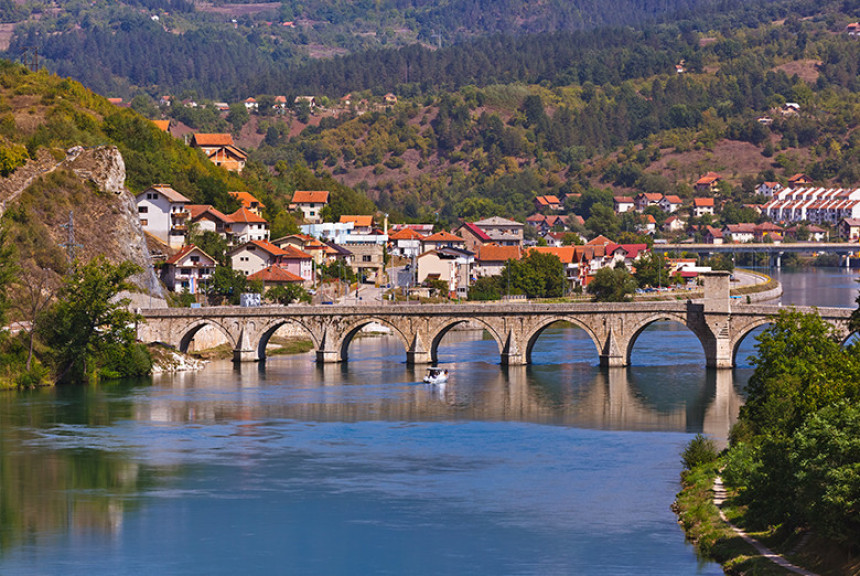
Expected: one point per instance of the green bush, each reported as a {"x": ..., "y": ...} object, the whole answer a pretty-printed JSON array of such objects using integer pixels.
[{"x": 700, "y": 450}]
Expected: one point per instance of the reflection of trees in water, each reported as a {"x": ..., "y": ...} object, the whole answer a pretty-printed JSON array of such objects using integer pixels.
[{"x": 45, "y": 489}]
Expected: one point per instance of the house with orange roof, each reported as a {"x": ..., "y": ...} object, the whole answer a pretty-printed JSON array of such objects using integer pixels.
[
  {"x": 708, "y": 183},
  {"x": 548, "y": 202},
  {"x": 492, "y": 258},
  {"x": 799, "y": 180},
  {"x": 208, "y": 219},
  {"x": 768, "y": 189},
  {"x": 321, "y": 252},
  {"x": 310, "y": 203},
  {"x": 248, "y": 201},
  {"x": 645, "y": 199},
  {"x": 221, "y": 150},
  {"x": 674, "y": 224},
  {"x": 702, "y": 206},
  {"x": 670, "y": 203},
  {"x": 274, "y": 275},
  {"x": 163, "y": 213},
  {"x": 599, "y": 241},
  {"x": 442, "y": 240},
  {"x": 189, "y": 269},
  {"x": 405, "y": 242},
  {"x": 246, "y": 226},
  {"x": 163, "y": 125},
  {"x": 362, "y": 224},
  {"x": 251, "y": 104},
  {"x": 251, "y": 257},
  {"x": 623, "y": 204},
  {"x": 853, "y": 29}
]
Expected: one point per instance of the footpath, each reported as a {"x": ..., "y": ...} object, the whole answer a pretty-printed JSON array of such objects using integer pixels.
[{"x": 719, "y": 498}]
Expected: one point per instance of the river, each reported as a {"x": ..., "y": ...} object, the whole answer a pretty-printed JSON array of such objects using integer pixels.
[{"x": 294, "y": 468}]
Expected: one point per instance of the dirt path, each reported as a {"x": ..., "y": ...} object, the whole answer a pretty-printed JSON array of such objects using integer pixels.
[{"x": 719, "y": 498}]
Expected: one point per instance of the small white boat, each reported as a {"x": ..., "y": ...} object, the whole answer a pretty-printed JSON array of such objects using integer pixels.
[{"x": 436, "y": 376}]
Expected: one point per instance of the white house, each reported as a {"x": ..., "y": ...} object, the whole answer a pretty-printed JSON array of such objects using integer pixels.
[
  {"x": 405, "y": 242},
  {"x": 254, "y": 256},
  {"x": 768, "y": 189},
  {"x": 189, "y": 269},
  {"x": 670, "y": 203},
  {"x": 702, "y": 206},
  {"x": 310, "y": 203},
  {"x": 162, "y": 211},
  {"x": 245, "y": 226},
  {"x": 451, "y": 265},
  {"x": 623, "y": 204}
]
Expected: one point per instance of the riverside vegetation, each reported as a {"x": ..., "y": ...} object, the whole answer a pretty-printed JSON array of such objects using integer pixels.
[{"x": 793, "y": 463}]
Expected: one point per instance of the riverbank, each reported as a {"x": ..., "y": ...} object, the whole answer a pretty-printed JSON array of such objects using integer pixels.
[{"x": 699, "y": 516}]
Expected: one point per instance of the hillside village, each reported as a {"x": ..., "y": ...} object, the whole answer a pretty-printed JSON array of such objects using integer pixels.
[{"x": 425, "y": 259}]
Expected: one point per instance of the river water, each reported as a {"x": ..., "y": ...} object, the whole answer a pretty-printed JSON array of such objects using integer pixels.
[{"x": 294, "y": 468}]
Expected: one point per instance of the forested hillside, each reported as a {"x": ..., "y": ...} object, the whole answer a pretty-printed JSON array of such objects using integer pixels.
[
  {"x": 618, "y": 120},
  {"x": 228, "y": 52}
]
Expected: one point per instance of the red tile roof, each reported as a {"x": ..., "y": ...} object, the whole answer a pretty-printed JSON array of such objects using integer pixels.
[
  {"x": 708, "y": 178},
  {"x": 361, "y": 220},
  {"x": 275, "y": 274},
  {"x": 599, "y": 241},
  {"x": 212, "y": 140},
  {"x": 310, "y": 197},
  {"x": 246, "y": 199},
  {"x": 703, "y": 202},
  {"x": 672, "y": 199},
  {"x": 290, "y": 252},
  {"x": 623, "y": 200},
  {"x": 199, "y": 210},
  {"x": 477, "y": 232},
  {"x": 496, "y": 253},
  {"x": 186, "y": 250},
  {"x": 443, "y": 237},
  {"x": 564, "y": 253},
  {"x": 406, "y": 234},
  {"x": 245, "y": 216}
]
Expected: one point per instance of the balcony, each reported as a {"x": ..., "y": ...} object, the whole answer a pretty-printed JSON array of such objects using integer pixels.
[{"x": 178, "y": 229}]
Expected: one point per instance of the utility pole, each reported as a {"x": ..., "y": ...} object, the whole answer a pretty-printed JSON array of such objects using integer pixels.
[{"x": 70, "y": 244}]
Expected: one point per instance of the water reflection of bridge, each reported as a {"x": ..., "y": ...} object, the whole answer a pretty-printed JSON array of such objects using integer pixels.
[{"x": 570, "y": 395}]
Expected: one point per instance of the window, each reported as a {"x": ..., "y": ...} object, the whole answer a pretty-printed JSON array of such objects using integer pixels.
[
  {"x": 195, "y": 259},
  {"x": 152, "y": 196},
  {"x": 366, "y": 258},
  {"x": 144, "y": 222},
  {"x": 312, "y": 213},
  {"x": 186, "y": 271},
  {"x": 143, "y": 209}
]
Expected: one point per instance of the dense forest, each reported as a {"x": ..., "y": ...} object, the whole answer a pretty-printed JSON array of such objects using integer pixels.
[{"x": 116, "y": 49}]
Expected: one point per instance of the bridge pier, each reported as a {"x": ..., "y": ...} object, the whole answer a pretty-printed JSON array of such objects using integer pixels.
[
  {"x": 244, "y": 351},
  {"x": 418, "y": 357},
  {"x": 513, "y": 359}
]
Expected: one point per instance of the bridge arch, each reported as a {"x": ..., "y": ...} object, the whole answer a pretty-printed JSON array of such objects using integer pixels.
[
  {"x": 663, "y": 317},
  {"x": 532, "y": 337},
  {"x": 187, "y": 333},
  {"x": 742, "y": 334},
  {"x": 349, "y": 333},
  {"x": 440, "y": 331},
  {"x": 270, "y": 328}
]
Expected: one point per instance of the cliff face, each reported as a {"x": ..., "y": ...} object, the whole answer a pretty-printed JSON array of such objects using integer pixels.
[{"x": 88, "y": 186}]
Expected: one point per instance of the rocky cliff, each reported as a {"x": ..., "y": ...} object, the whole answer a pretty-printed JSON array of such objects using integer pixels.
[{"x": 87, "y": 187}]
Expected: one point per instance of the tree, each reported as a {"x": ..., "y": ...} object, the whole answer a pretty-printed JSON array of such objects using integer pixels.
[
  {"x": 36, "y": 290},
  {"x": 612, "y": 285},
  {"x": 651, "y": 270},
  {"x": 487, "y": 288},
  {"x": 826, "y": 463},
  {"x": 287, "y": 294},
  {"x": 800, "y": 367},
  {"x": 210, "y": 242},
  {"x": 90, "y": 331},
  {"x": 538, "y": 275},
  {"x": 337, "y": 270},
  {"x": 227, "y": 284},
  {"x": 238, "y": 116},
  {"x": 8, "y": 270},
  {"x": 603, "y": 220}
]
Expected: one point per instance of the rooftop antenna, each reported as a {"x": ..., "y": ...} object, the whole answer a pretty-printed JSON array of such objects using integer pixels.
[{"x": 70, "y": 244}]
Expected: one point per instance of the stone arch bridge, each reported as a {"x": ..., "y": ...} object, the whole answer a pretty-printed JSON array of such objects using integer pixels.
[{"x": 719, "y": 323}]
